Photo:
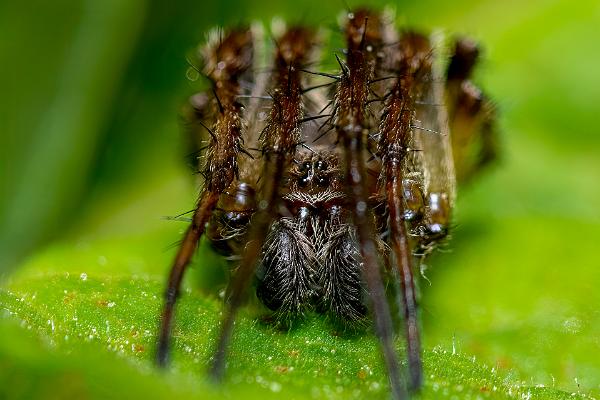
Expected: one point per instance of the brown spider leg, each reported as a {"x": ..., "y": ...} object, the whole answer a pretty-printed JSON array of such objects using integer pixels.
[
  {"x": 433, "y": 163},
  {"x": 363, "y": 32},
  {"x": 395, "y": 131},
  {"x": 472, "y": 115},
  {"x": 196, "y": 114},
  {"x": 403, "y": 258},
  {"x": 394, "y": 145},
  {"x": 225, "y": 62},
  {"x": 184, "y": 255},
  {"x": 357, "y": 198},
  {"x": 279, "y": 141}
]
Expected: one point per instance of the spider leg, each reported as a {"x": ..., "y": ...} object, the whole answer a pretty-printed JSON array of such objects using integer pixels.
[
  {"x": 226, "y": 60},
  {"x": 432, "y": 136},
  {"x": 472, "y": 115},
  {"x": 403, "y": 260},
  {"x": 394, "y": 146},
  {"x": 363, "y": 33},
  {"x": 196, "y": 114},
  {"x": 279, "y": 141},
  {"x": 184, "y": 255}
]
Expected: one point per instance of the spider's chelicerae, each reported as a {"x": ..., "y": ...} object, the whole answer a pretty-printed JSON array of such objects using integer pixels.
[{"x": 326, "y": 185}]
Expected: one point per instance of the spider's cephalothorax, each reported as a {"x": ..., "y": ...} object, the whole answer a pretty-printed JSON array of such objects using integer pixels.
[{"x": 322, "y": 186}]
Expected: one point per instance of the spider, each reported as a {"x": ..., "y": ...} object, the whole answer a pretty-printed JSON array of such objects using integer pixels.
[{"x": 325, "y": 186}]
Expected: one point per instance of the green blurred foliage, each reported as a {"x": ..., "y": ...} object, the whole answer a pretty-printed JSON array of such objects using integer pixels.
[{"x": 91, "y": 158}]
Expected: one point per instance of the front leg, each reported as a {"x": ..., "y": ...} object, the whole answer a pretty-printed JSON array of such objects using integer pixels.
[{"x": 233, "y": 56}]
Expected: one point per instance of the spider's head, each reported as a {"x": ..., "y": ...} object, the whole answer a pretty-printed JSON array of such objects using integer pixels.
[{"x": 314, "y": 172}]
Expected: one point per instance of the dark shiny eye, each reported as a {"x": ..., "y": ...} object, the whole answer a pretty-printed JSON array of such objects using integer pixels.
[
  {"x": 321, "y": 165},
  {"x": 305, "y": 166},
  {"x": 322, "y": 181},
  {"x": 303, "y": 181}
]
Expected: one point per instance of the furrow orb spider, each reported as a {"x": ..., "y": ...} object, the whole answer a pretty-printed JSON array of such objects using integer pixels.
[{"x": 325, "y": 186}]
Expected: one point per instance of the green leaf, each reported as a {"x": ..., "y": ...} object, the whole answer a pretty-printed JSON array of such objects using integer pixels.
[
  {"x": 94, "y": 334},
  {"x": 512, "y": 308}
]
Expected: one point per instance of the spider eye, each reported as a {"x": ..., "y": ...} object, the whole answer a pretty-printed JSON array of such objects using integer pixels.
[
  {"x": 305, "y": 166},
  {"x": 322, "y": 181},
  {"x": 321, "y": 165},
  {"x": 303, "y": 181}
]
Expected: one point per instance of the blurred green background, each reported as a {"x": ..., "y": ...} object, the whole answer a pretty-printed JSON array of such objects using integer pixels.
[{"x": 91, "y": 158}]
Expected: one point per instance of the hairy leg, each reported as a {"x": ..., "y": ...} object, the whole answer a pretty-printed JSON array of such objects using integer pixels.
[
  {"x": 279, "y": 141},
  {"x": 226, "y": 60},
  {"x": 472, "y": 115},
  {"x": 363, "y": 36},
  {"x": 394, "y": 146}
]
